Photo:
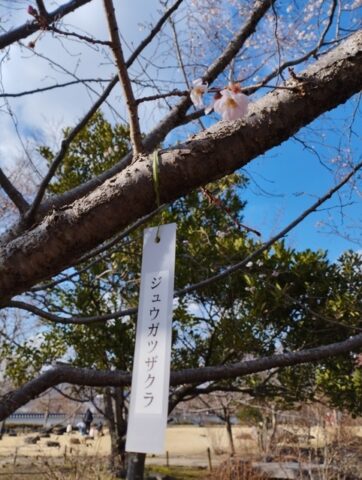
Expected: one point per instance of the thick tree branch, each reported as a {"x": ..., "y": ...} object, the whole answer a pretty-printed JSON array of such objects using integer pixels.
[
  {"x": 135, "y": 131},
  {"x": 28, "y": 28},
  {"x": 225, "y": 271},
  {"x": 13, "y": 193},
  {"x": 98, "y": 250},
  {"x": 93, "y": 378},
  {"x": 64, "y": 235},
  {"x": 41, "y": 8}
]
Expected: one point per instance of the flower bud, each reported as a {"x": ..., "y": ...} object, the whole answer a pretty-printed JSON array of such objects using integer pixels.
[{"x": 32, "y": 11}]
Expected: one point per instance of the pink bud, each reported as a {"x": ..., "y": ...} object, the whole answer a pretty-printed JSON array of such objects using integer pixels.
[
  {"x": 31, "y": 44},
  {"x": 32, "y": 11}
]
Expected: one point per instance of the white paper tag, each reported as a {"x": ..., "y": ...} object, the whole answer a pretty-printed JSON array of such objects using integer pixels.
[{"x": 147, "y": 420}]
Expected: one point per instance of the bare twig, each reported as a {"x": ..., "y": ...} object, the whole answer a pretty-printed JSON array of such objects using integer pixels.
[
  {"x": 173, "y": 93},
  {"x": 219, "y": 204},
  {"x": 135, "y": 131},
  {"x": 29, "y": 217},
  {"x": 13, "y": 193},
  {"x": 84, "y": 38},
  {"x": 67, "y": 320},
  {"x": 52, "y": 87},
  {"x": 181, "y": 62},
  {"x": 183, "y": 93},
  {"x": 328, "y": 25},
  {"x": 278, "y": 236}
]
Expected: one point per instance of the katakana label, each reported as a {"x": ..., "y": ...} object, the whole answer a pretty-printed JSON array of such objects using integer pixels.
[{"x": 151, "y": 370}]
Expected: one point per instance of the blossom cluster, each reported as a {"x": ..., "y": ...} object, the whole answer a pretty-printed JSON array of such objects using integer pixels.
[{"x": 229, "y": 102}]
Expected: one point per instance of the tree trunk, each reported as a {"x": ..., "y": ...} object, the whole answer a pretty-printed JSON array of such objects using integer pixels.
[
  {"x": 230, "y": 434},
  {"x": 274, "y": 426},
  {"x": 2, "y": 429},
  {"x": 136, "y": 466},
  {"x": 121, "y": 423},
  {"x": 109, "y": 414}
]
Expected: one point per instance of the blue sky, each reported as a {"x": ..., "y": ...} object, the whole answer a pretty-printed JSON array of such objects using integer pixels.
[
  {"x": 294, "y": 178},
  {"x": 292, "y": 175}
]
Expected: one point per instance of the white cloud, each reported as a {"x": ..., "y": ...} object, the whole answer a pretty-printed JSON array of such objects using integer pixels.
[{"x": 24, "y": 70}]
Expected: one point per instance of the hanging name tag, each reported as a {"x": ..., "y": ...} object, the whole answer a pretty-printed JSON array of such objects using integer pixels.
[{"x": 147, "y": 420}]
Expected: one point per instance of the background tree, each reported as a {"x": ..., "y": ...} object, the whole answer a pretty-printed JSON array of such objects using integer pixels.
[{"x": 282, "y": 301}]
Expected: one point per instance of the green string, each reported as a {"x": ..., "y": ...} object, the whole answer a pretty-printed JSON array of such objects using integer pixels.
[
  {"x": 156, "y": 179},
  {"x": 156, "y": 185}
]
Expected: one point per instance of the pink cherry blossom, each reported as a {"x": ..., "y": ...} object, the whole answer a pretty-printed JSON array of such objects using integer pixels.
[
  {"x": 233, "y": 104},
  {"x": 197, "y": 92}
]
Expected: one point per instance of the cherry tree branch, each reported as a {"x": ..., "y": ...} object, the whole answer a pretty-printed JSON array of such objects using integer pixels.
[
  {"x": 41, "y": 8},
  {"x": 99, "y": 250},
  {"x": 95, "y": 378},
  {"x": 135, "y": 131},
  {"x": 191, "y": 288},
  {"x": 58, "y": 240},
  {"x": 66, "y": 142},
  {"x": 13, "y": 193},
  {"x": 177, "y": 114},
  {"x": 173, "y": 93},
  {"x": 28, "y": 28},
  {"x": 311, "y": 53}
]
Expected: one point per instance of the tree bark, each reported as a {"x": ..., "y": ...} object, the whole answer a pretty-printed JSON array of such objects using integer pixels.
[
  {"x": 13, "y": 400},
  {"x": 27, "y": 29},
  {"x": 61, "y": 237},
  {"x": 230, "y": 434},
  {"x": 115, "y": 414},
  {"x": 109, "y": 413},
  {"x": 136, "y": 466},
  {"x": 121, "y": 422}
]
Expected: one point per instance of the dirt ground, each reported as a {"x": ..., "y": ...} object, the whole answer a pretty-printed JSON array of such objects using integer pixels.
[
  {"x": 188, "y": 441},
  {"x": 186, "y": 445}
]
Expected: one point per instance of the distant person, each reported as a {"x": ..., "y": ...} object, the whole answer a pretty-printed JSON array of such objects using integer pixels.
[
  {"x": 88, "y": 419},
  {"x": 99, "y": 428},
  {"x": 81, "y": 427},
  {"x": 69, "y": 428}
]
